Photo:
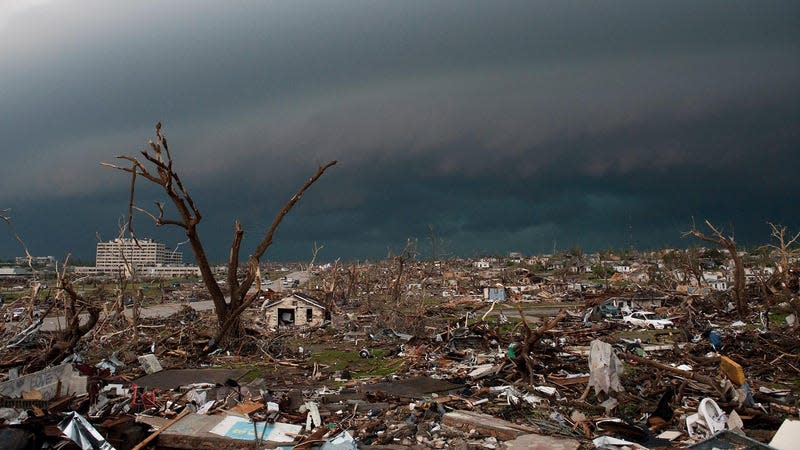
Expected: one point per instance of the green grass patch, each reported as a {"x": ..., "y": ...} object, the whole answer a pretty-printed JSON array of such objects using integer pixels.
[
  {"x": 335, "y": 359},
  {"x": 494, "y": 322},
  {"x": 338, "y": 360},
  {"x": 629, "y": 409},
  {"x": 12, "y": 296},
  {"x": 778, "y": 318}
]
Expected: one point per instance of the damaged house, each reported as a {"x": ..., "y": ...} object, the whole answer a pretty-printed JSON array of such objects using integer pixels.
[
  {"x": 494, "y": 293},
  {"x": 643, "y": 302},
  {"x": 296, "y": 310}
]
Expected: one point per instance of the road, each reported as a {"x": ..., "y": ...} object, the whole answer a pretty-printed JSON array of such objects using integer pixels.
[
  {"x": 301, "y": 276},
  {"x": 167, "y": 309}
]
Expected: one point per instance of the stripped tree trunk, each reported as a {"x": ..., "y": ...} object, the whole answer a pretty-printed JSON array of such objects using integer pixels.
[{"x": 158, "y": 169}]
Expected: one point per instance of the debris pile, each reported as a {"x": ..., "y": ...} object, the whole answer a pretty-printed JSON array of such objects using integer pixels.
[{"x": 467, "y": 374}]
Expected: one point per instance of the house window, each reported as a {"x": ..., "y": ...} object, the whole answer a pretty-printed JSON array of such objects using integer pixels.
[
  {"x": 285, "y": 317},
  {"x": 309, "y": 314}
]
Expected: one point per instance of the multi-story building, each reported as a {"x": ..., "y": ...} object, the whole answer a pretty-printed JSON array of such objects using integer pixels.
[
  {"x": 35, "y": 260},
  {"x": 120, "y": 254}
]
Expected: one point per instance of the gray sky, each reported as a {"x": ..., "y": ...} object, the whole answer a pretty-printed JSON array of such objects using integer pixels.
[{"x": 503, "y": 125}]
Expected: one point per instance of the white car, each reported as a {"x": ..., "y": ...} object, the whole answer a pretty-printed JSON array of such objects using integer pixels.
[
  {"x": 645, "y": 319},
  {"x": 21, "y": 312},
  {"x": 15, "y": 314}
]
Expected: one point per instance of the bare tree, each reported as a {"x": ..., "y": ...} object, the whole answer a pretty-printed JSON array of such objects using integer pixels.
[
  {"x": 783, "y": 249},
  {"x": 314, "y": 252},
  {"x": 779, "y": 283},
  {"x": 75, "y": 305},
  {"x": 683, "y": 266},
  {"x": 329, "y": 288},
  {"x": 690, "y": 264},
  {"x": 157, "y": 168},
  {"x": 353, "y": 284},
  {"x": 729, "y": 244},
  {"x": 35, "y": 283},
  {"x": 408, "y": 254}
]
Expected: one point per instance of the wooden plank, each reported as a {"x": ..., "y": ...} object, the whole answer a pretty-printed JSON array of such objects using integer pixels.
[
  {"x": 732, "y": 369},
  {"x": 485, "y": 424},
  {"x": 172, "y": 422},
  {"x": 247, "y": 407},
  {"x": 563, "y": 381}
]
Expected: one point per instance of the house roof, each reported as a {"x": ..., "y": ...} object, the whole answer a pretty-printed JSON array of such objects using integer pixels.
[{"x": 302, "y": 297}]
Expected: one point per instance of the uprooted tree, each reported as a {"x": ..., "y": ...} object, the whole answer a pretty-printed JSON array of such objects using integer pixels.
[{"x": 157, "y": 168}]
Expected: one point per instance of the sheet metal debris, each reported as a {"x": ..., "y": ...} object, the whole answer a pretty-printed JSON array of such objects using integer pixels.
[{"x": 82, "y": 433}]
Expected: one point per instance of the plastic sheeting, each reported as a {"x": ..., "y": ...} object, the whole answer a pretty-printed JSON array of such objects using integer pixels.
[
  {"x": 342, "y": 441},
  {"x": 604, "y": 368}
]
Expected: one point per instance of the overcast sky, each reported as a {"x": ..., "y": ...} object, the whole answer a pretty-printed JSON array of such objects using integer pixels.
[{"x": 501, "y": 125}]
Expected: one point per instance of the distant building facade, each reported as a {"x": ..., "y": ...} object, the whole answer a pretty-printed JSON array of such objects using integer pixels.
[
  {"x": 35, "y": 260},
  {"x": 147, "y": 257},
  {"x": 14, "y": 272},
  {"x": 494, "y": 293},
  {"x": 170, "y": 272},
  {"x": 116, "y": 254},
  {"x": 482, "y": 264}
]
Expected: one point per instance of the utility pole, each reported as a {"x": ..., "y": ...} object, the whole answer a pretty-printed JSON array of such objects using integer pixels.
[{"x": 433, "y": 242}]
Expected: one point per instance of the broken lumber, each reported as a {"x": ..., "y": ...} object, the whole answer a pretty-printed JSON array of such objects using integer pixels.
[
  {"x": 485, "y": 425},
  {"x": 172, "y": 422}
]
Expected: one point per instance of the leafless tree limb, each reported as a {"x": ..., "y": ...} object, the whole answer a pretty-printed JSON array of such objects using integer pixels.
[
  {"x": 729, "y": 244},
  {"x": 242, "y": 302},
  {"x": 74, "y": 305},
  {"x": 780, "y": 280},
  {"x": 314, "y": 252},
  {"x": 7, "y": 220},
  {"x": 162, "y": 173}
]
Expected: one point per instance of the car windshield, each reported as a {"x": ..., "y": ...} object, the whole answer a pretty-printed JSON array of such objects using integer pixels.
[{"x": 653, "y": 316}]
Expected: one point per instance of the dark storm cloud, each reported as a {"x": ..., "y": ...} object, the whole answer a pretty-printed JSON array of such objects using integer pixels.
[{"x": 505, "y": 125}]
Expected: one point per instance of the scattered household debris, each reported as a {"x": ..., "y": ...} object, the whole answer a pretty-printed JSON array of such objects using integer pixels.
[{"x": 542, "y": 371}]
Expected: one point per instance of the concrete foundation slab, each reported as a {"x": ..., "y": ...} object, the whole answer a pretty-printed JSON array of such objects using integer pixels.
[{"x": 175, "y": 378}]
